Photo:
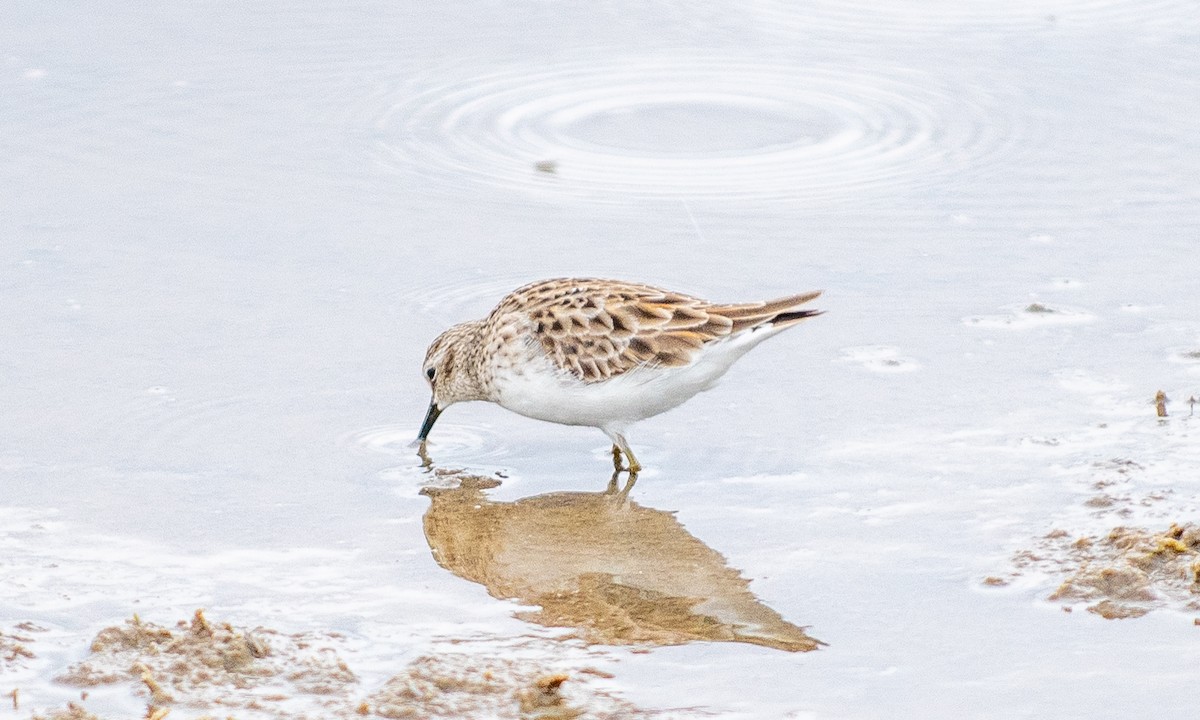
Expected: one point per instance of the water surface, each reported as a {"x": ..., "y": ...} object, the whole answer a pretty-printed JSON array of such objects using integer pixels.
[{"x": 230, "y": 232}]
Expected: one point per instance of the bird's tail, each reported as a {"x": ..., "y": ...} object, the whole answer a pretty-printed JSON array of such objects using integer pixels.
[{"x": 778, "y": 314}]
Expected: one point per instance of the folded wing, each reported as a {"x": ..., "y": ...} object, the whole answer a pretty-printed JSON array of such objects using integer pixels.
[{"x": 599, "y": 329}]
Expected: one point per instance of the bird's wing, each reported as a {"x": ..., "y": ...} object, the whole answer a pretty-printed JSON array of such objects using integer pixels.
[{"x": 598, "y": 329}]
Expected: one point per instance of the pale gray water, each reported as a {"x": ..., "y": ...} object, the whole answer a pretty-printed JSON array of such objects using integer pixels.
[{"x": 228, "y": 234}]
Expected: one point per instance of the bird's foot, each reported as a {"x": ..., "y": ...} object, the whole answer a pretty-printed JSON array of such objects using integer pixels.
[{"x": 619, "y": 456}]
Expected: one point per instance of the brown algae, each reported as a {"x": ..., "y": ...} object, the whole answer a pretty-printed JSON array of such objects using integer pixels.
[
  {"x": 14, "y": 646},
  {"x": 1130, "y": 571},
  {"x": 229, "y": 672},
  {"x": 198, "y": 662}
]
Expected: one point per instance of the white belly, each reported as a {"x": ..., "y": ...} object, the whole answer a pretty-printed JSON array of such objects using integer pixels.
[{"x": 538, "y": 390}]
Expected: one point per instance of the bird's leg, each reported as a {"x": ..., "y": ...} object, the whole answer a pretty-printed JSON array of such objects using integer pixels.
[
  {"x": 634, "y": 466},
  {"x": 618, "y": 466},
  {"x": 622, "y": 446}
]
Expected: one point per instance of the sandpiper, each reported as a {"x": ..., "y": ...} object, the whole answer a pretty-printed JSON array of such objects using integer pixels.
[{"x": 601, "y": 353}]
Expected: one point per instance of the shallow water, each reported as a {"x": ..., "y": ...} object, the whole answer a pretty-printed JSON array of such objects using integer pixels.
[{"x": 230, "y": 232}]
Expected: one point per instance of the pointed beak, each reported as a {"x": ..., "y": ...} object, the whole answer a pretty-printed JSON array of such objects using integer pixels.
[{"x": 430, "y": 418}]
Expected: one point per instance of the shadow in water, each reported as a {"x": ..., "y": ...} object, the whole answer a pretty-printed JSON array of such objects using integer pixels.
[{"x": 617, "y": 572}]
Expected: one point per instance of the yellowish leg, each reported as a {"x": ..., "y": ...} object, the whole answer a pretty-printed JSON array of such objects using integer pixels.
[
  {"x": 621, "y": 447},
  {"x": 634, "y": 466}
]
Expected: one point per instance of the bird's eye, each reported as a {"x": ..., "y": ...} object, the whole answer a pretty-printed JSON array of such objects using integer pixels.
[{"x": 430, "y": 372}]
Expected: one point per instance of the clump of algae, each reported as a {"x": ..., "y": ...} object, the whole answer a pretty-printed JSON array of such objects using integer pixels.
[
  {"x": 1130, "y": 571},
  {"x": 205, "y": 664},
  {"x": 229, "y": 672},
  {"x": 454, "y": 685},
  {"x": 14, "y": 645}
]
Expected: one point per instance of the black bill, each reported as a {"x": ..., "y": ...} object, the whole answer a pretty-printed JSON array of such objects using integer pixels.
[{"x": 430, "y": 418}]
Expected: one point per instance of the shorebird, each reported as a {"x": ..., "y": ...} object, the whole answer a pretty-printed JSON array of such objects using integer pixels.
[{"x": 600, "y": 353}]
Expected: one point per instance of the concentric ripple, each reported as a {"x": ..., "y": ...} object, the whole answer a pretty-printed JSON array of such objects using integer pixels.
[
  {"x": 904, "y": 18},
  {"x": 452, "y": 440},
  {"x": 679, "y": 128}
]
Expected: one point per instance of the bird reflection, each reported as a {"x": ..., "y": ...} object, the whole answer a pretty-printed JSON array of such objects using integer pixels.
[{"x": 617, "y": 572}]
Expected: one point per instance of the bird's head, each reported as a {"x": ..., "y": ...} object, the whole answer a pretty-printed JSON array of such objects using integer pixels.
[{"x": 452, "y": 371}]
